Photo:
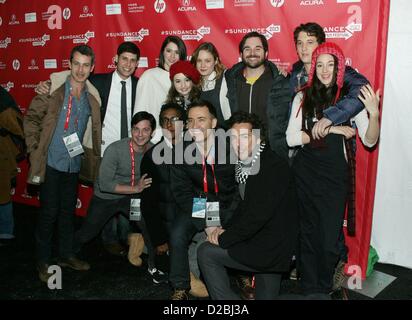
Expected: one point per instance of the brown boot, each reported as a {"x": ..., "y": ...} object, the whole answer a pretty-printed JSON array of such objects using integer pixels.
[
  {"x": 74, "y": 263},
  {"x": 136, "y": 245},
  {"x": 197, "y": 287},
  {"x": 247, "y": 291},
  {"x": 179, "y": 294},
  {"x": 42, "y": 268}
]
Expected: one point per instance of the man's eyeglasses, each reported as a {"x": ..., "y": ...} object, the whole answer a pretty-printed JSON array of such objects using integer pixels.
[{"x": 165, "y": 121}]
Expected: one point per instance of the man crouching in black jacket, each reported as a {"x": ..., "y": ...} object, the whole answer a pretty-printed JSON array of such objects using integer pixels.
[{"x": 262, "y": 234}]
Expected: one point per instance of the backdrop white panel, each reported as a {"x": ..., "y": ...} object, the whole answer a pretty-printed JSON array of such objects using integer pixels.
[{"x": 392, "y": 217}]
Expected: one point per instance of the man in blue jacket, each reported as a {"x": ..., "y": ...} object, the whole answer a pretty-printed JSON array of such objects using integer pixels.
[{"x": 307, "y": 37}]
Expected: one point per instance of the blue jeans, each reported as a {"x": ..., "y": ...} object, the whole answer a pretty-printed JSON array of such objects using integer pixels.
[
  {"x": 181, "y": 236},
  {"x": 6, "y": 221}
]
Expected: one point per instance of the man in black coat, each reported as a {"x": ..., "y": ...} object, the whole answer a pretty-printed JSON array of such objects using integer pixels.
[
  {"x": 262, "y": 234},
  {"x": 204, "y": 178},
  {"x": 255, "y": 85}
]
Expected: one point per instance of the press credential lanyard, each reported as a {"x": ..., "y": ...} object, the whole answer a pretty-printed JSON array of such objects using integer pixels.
[
  {"x": 212, "y": 208},
  {"x": 135, "y": 212},
  {"x": 72, "y": 142}
]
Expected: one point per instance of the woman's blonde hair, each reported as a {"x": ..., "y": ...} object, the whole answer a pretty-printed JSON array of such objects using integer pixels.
[{"x": 209, "y": 47}]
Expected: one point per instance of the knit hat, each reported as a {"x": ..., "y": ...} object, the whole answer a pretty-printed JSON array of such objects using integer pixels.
[
  {"x": 335, "y": 50},
  {"x": 186, "y": 68}
]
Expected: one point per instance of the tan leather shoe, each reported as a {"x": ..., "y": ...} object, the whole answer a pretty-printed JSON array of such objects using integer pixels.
[
  {"x": 179, "y": 294},
  {"x": 247, "y": 291},
  {"x": 197, "y": 287},
  {"x": 136, "y": 245},
  {"x": 42, "y": 268},
  {"x": 74, "y": 263}
]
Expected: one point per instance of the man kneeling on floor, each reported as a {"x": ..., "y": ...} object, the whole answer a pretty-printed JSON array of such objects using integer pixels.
[
  {"x": 262, "y": 234},
  {"x": 118, "y": 188}
]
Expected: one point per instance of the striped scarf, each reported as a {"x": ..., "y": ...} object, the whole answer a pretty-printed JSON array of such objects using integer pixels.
[{"x": 241, "y": 171}]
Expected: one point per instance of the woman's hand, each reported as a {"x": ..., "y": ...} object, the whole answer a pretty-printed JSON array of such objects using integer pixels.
[
  {"x": 370, "y": 99},
  {"x": 346, "y": 131}
]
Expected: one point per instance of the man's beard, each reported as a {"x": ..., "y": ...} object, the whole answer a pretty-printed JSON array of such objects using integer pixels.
[{"x": 256, "y": 64}]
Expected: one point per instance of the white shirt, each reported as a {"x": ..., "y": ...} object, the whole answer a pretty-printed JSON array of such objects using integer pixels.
[
  {"x": 294, "y": 130},
  {"x": 210, "y": 84},
  {"x": 151, "y": 94},
  {"x": 112, "y": 119}
]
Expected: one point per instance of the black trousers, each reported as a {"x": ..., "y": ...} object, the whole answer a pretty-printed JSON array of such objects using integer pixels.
[
  {"x": 99, "y": 212},
  {"x": 321, "y": 182},
  {"x": 213, "y": 261},
  {"x": 58, "y": 198}
]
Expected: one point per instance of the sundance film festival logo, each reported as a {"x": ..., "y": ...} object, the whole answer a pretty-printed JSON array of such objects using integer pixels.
[
  {"x": 268, "y": 32},
  {"x": 79, "y": 38},
  {"x": 37, "y": 41},
  {"x": 340, "y": 32},
  {"x": 4, "y": 43},
  {"x": 16, "y": 64},
  {"x": 2, "y": 65},
  {"x": 353, "y": 25},
  {"x": 33, "y": 65},
  {"x": 13, "y": 20},
  {"x": 160, "y": 6},
  {"x": 193, "y": 34},
  {"x": 277, "y": 3},
  {"x": 85, "y": 13},
  {"x": 7, "y": 86},
  {"x": 186, "y": 6},
  {"x": 130, "y": 36}
]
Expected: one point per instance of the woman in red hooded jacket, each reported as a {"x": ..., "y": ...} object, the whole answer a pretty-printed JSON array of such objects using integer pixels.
[{"x": 322, "y": 166}]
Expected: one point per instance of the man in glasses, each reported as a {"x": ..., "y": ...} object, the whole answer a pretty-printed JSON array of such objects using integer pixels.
[{"x": 158, "y": 204}]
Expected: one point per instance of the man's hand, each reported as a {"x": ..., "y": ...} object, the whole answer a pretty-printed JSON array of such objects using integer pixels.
[
  {"x": 319, "y": 130},
  {"x": 162, "y": 249},
  {"x": 143, "y": 183},
  {"x": 214, "y": 236},
  {"x": 43, "y": 87},
  {"x": 283, "y": 71}
]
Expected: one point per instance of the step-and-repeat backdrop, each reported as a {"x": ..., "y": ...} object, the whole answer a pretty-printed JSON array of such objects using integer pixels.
[{"x": 36, "y": 38}]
